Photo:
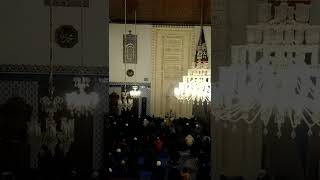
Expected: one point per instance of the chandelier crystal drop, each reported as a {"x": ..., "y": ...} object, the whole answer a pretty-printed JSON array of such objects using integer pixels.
[
  {"x": 196, "y": 85},
  {"x": 80, "y": 102},
  {"x": 50, "y": 105},
  {"x": 259, "y": 91}
]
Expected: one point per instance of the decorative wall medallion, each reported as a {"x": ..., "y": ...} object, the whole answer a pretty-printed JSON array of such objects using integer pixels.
[
  {"x": 130, "y": 48},
  {"x": 66, "y": 36},
  {"x": 130, "y": 72},
  {"x": 68, "y": 3}
]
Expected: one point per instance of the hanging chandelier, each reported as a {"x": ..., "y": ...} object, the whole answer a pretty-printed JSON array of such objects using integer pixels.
[
  {"x": 125, "y": 103},
  {"x": 80, "y": 102},
  {"x": 261, "y": 92},
  {"x": 275, "y": 80},
  {"x": 53, "y": 133},
  {"x": 196, "y": 86},
  {"x": 135, "y": 93}
]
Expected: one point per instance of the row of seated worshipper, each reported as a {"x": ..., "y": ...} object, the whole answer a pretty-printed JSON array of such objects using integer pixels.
[{"x": 151, "y": 147}]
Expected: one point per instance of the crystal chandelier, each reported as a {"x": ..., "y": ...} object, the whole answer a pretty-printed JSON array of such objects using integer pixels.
[
  {"x": 135, "y": 93},
  {"x": 51, "y": 105},
  {"x": 262, "y": 92},
  {"x": 80, "y": 102},
  {"x": 196, "y": 86},
  {"x": 282, "y": 85},
  {"x": 54, "y": 133},
  {"x": 125, "y": 103}
]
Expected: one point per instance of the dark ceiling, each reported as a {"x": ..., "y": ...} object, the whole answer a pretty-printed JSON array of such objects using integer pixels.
[{"x": 161, "y": 11}]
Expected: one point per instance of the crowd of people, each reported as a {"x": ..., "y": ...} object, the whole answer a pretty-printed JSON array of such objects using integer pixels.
[{"x": 157, "y": 148}]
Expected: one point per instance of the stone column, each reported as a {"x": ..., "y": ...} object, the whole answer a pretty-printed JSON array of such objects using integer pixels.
[
  {"x": 99, "y": 124},
  {"x": 102, "y": 88},
  {"x": 219, "y": 53},
  {"x": 233, "y": 153}
]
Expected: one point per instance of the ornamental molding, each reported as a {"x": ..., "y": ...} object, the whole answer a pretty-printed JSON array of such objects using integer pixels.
[
  {"x": 113, "y": 84},
  {"x": 67, "y": 3},
  {"x": 171, "y": 27},
  {"x": 57, "y": 69}
]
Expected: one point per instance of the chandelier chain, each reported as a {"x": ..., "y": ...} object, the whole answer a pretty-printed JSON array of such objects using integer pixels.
[
  {"x": 82, "y": 29},
  {"x": 51, "y": 85}
]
